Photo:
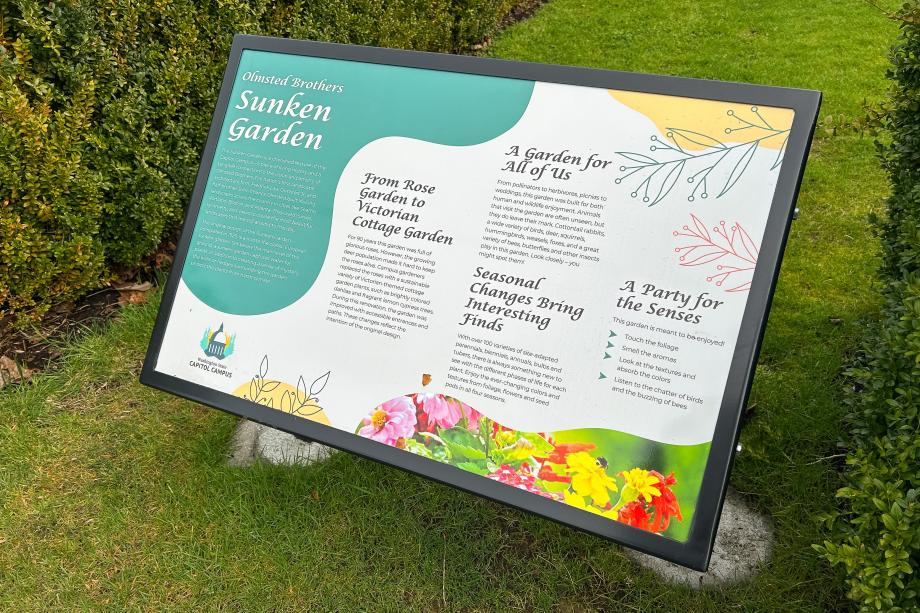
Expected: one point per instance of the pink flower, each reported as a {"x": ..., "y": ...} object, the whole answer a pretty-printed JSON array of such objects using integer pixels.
[
  {"x": 391, "y": 421},
  {"x": 439, "y": 410},
  {"x": 472, "y": 415},
  {"x": 522, "y": 480}
]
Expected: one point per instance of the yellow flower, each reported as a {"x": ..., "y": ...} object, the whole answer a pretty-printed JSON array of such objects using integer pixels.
[
  {"x": 574, "y": 499},
  {"x": 589, "y": 478},
  {"x": 579, "y": 503},
  {"x": 520, "y": 450},
  {"x": 639, "y": 482},
  {"x": 609, "y": 514}
]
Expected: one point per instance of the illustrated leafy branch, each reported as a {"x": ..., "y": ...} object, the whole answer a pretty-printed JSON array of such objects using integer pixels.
[
  {"x": 736, "y": 253},
  {"x": 301, "y": 402},
  {"x": 660, "y": 176}
]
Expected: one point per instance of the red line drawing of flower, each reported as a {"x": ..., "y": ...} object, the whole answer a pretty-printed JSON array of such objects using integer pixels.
[{"x": 736, "y": 253}]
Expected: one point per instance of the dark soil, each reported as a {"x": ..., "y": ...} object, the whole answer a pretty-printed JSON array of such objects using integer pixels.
[
  {"x": 523, "y": 10},
  {"x": 38, "y": 345}
]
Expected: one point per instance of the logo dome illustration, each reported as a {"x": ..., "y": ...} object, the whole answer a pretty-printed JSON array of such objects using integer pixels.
[{"x": 217, "y": 344}]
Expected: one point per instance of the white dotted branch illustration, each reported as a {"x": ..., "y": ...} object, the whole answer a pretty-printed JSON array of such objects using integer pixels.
[{"x": 659, "y": 176}]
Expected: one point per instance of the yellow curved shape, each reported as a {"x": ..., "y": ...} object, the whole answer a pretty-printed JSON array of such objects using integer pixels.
[
  {"x": 283, "y": 397},
  {"x": 712, "y": 118}
]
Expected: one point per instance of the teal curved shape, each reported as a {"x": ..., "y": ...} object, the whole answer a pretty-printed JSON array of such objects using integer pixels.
[{"x": 376, "y": 101}]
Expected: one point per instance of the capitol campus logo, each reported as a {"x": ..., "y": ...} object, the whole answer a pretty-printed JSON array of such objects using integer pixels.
[{"x": 217, "y": 343}]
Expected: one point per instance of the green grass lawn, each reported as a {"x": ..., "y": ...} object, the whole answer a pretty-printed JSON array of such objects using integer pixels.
[{"x": 114, "y": 495}]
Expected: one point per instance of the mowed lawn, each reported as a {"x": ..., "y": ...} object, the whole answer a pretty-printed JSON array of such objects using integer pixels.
[{"x": 115, "y": 496}]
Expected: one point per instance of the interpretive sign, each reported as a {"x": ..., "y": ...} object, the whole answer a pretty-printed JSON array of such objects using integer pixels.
[{"x": 546, "y": 285}]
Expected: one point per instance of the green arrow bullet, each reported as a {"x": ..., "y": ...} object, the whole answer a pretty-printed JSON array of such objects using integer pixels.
[
  {"x": 606, "y": 355},
  {"x": 609, "y": 344},
  {"x": 603, "y": 376},
  {"x": 612, "y": 333}
]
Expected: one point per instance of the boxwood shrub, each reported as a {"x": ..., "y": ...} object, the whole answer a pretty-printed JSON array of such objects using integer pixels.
[
  {"x": 875, "y": 537},
  {"x": 105, "y": 104}
]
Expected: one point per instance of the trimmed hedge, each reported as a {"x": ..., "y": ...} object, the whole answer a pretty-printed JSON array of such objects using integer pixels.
[
  {"x": 876, "y": 536},
  {"x": 105, "y": 104}
]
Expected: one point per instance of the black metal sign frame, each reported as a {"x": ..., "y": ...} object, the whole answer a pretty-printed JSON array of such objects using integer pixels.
[{"x": 695, "y": 551}]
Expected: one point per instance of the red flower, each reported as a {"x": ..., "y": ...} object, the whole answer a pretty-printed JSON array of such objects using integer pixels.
[
  {"x": 557, "y": 456},
  {"x": 548, "y": 474},
  {"x": 665, "y": 505},
  {"x": 421, "y": 416},
  {"x": 496, "y": 428},
  {"x": 635, "y": 515}
]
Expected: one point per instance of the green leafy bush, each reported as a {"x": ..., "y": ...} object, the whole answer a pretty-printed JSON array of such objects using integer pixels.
[
  {"x": 876, "y": 536},
  {"x": 105, "y": 104}
]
